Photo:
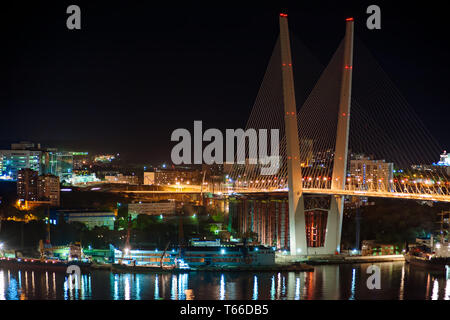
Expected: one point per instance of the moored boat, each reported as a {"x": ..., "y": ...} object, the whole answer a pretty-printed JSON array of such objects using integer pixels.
[
  {"x": 52, "y": 265},
  {"x": 435, "y": 257},
  {"x": 120, "y": 267},
  {"x": 433, "y": 263}
]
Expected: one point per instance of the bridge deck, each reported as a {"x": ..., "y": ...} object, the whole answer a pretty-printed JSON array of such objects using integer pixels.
[{"x": 375, "y": 194}]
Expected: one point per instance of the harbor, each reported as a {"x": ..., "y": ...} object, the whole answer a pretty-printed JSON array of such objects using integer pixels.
[{"x": 328, "y": 282}]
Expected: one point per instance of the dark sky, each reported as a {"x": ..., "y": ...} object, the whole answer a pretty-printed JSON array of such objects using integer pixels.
[{"x": 137, "y": 71}]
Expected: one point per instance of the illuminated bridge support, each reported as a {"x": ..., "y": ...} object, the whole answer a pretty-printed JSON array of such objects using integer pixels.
[
  {"x": 299, "y": 231},
  {"x": 334, "y": 223},
  {"x": 297, "y": 228}
]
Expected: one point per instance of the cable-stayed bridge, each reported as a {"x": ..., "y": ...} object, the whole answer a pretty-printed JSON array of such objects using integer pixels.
[
  {"x": 368, "y": 125},
  {"x": 345, "y": 130}
]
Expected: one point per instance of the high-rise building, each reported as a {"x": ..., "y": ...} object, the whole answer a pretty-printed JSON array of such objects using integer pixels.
[
  {"x": 60, "y": 164},
  {"x": 14, "y": 160},
  {"x": 368, "y": 174},
  {"x": 49, "y": 189},
  {"x": 164, "y": 177},
  {"x": 91, "y": 218},
  {"x": 27, "y": 185},
  {"x": 149, "y": 178}
]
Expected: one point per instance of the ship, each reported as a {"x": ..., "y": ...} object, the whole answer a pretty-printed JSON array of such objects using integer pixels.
[
  {"x": 419, "y": 257},
  {"x": 50, "y": 265},
  {"x": 46, "y": 262},
  {"x": 430, "y": 255},
  {"x": 198, "y": 255}
]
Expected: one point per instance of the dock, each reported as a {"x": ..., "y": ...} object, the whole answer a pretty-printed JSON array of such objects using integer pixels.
[{"x": 352, "y": 259}]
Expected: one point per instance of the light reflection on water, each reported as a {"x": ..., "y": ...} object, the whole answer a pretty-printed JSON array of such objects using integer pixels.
[{"x": 398, "y": 281}]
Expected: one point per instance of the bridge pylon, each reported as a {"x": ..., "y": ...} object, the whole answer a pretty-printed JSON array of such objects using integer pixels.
[
  {"x": 297, "y": 221},
  {"x": 297, "y": 228},
  {"x": 334, "y": 223}
]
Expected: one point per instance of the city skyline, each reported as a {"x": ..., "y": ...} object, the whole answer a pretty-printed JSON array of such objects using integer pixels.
[
  {"x": 102, "y": 97},
  {"x": 231, "y": 153}
]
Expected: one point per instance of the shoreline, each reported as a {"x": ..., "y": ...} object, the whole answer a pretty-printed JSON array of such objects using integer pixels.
[{"x": 354, "y": 259}]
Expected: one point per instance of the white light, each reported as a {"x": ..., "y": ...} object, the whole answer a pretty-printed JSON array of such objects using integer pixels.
[
  {"x": 299, "y": 250},
  {"x": 222, "y": 251},
  {"x": 1, "y": 245}
]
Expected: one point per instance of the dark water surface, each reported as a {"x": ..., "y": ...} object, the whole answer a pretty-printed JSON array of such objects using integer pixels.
[{"x": 398, "y": 281}]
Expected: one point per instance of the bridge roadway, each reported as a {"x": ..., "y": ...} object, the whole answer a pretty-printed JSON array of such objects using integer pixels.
[{"x": 356, "y": 193}]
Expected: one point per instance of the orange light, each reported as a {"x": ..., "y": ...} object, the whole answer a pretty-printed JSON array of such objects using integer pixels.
[
  {"x": 283, "y": 15},
  {"x": 349, "y": 19}
]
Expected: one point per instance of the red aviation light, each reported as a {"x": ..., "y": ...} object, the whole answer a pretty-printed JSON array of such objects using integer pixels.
[
  {"x": 349, "y": 19},
  {"x": 283, "y": 15}
]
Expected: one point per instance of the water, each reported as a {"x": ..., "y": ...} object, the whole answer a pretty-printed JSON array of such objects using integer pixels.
[{"x": 346, "y": 282}]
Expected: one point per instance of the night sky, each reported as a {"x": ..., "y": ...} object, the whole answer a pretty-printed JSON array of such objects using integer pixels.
[{"x": 137, "y": 71}]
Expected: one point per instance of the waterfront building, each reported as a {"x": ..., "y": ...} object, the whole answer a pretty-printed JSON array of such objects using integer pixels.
[
  {"x": 49, "y": 189},
  {"x": 151, "y": 208},
  {"x": 265, "y": 221},
  {"x": 91, "y": 218}
]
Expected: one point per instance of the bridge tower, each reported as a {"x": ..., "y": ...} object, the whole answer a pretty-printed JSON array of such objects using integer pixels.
[
  {"x": 297, "y": 228},
  {"x": 297, "y": 225},
  {"x": 334, "y": 223}
]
